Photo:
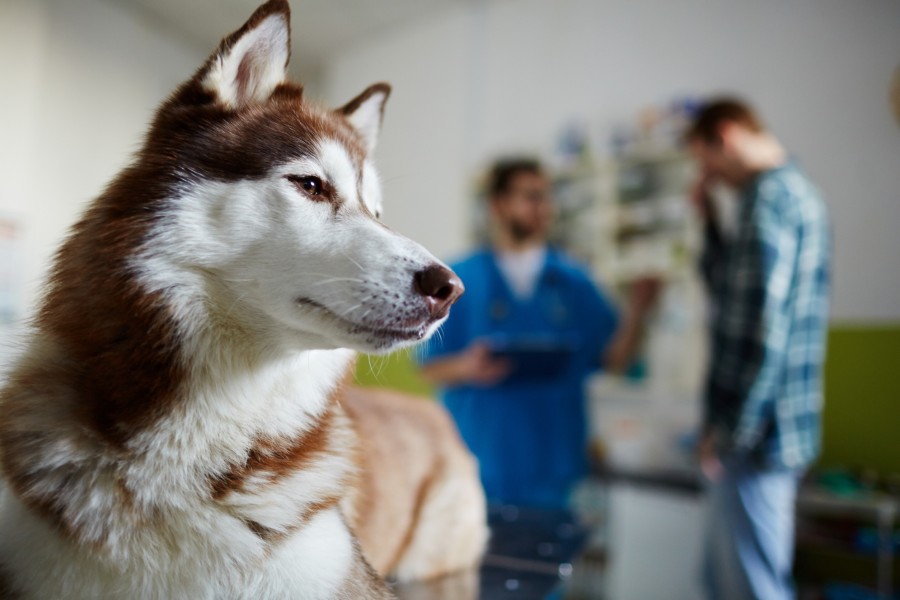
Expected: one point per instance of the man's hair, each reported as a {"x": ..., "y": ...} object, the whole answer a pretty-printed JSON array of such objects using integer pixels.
[
  {"x": 504, "y": 171},
  {"x": 707, "y": 123}
]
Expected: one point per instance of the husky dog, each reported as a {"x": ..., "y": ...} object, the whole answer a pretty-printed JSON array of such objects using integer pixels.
[{"x": 178, "y": 426}]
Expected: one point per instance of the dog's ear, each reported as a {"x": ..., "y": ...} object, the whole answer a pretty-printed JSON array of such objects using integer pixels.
[
  {"x": 366, "y": 111},
  {"x": 251, "y": 62}
]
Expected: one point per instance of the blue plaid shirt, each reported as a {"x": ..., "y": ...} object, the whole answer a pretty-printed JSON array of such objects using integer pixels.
[{"x": 769, "y": 286}]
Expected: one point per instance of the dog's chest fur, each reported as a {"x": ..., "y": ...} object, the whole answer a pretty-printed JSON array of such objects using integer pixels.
[{"x": 257, "y": 480}]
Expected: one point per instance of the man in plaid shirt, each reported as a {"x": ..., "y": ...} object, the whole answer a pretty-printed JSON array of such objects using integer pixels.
[{"x": 769, "y": 287}]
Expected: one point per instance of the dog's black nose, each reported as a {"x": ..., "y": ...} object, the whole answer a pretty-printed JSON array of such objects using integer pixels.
[{"x": 440, "y": 286}]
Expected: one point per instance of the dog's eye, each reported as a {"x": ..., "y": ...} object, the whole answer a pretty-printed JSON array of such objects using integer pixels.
[{"x": 310, "y": 185}]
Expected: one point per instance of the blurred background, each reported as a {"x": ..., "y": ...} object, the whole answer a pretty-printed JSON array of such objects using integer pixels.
[{"x": 598, "y": 89}]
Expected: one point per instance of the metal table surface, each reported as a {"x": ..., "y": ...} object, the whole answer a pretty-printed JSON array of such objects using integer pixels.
[
  {"x": 529, "y": 555},
  {"x": 679, "y": 478}
]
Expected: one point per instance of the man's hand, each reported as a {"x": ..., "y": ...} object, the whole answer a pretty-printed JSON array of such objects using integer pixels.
[
  {"x": 477, "y": 366},
  {"x": 644, "y": 294},
  {"x": 708, "y": 458},
  {"x": 700, "y": 198},
  {"x": 642, "y": 297},
  {"x": 474, "y": 366}
]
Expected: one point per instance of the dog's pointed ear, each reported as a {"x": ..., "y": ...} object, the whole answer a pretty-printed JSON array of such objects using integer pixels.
[
  {"x": 366, "y": 111},
  {"x": 251, "y": 62}
]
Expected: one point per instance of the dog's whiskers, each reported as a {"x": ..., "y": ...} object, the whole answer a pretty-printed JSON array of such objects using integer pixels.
[
  {"x": 350, "y": 258},
  {"x": 381, "y": 362},
  {"x": 372, "y": 368},
  {"x": 334, "y": 279},
  {"x": 234, "y": 303},
  {"x": 347, "y": 311}
]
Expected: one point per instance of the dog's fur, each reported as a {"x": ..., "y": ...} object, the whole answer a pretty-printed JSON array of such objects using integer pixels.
[{"x": 177, "y": 426}]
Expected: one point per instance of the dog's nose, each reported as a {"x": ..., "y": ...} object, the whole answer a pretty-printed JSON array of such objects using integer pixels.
[{"x": 440, "y": 286}]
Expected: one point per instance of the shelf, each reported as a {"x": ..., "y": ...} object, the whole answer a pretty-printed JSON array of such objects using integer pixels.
[
  {"x": 826, "y": 553},
  {"x": 651, "y": 157},
  {"x": 875, "y": 507},
  {"x": 822, "y": 564}
]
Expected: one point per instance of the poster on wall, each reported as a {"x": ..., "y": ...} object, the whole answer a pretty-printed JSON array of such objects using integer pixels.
[
  {"x": 11, "y": 280},
  {"x": 11, "y": 292}
]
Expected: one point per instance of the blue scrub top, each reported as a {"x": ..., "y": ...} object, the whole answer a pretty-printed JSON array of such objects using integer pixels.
[{"x": 530, "y": 437}]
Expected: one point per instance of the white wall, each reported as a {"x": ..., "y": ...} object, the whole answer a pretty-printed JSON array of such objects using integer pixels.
[
  {"x": 81, "y": 81},
  {"x": 427, "y": 124},
  {"x": 494, "y": 76}
]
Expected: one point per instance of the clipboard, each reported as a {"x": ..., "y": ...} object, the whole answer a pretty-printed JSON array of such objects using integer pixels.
[{"x": 534, "y": 357}]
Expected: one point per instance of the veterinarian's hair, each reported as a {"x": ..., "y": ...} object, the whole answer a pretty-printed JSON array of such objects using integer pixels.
[
  {"x": 504, "y": 171},
  {"x": 712, "y": 114}
]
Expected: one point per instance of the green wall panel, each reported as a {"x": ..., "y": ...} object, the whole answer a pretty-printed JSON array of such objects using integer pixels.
[
  {"x": 396, "y": 371},
  {"x": 862, "y": 398}
]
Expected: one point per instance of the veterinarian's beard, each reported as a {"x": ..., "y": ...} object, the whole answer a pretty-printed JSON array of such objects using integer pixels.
[{"x": 522, "y": 232}]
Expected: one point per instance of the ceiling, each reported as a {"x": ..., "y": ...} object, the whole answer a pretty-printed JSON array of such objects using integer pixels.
[{"x": 320, "y": 28}]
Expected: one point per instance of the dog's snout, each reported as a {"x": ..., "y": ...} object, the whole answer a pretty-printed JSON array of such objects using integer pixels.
[{"x": 440, "y": 286}]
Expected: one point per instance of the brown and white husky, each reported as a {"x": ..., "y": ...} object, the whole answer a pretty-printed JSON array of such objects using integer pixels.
[{"x": 177, "y": 426}]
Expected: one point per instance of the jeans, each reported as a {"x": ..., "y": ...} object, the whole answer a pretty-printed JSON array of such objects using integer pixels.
[{"x": 750, "y": 533}]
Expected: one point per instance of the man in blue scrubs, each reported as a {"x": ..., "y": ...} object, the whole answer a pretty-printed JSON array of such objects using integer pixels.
[{"x": 524, "y": 416}]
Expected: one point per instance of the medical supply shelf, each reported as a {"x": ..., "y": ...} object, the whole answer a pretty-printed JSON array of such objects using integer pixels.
[{"x": 822, "y": 517}]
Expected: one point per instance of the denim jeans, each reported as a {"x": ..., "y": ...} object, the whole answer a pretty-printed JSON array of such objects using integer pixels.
[{"x": 750, "y": 533}]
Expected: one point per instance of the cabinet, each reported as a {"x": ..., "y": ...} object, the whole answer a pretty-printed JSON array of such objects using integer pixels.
[
  {"x": 630, "y": 217},
  {"x": 848, "y": 540}
]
